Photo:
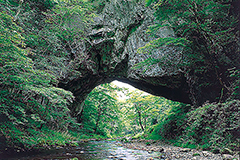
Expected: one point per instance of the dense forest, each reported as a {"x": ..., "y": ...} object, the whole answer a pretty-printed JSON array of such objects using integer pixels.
[{"x": 37, "y": 41}]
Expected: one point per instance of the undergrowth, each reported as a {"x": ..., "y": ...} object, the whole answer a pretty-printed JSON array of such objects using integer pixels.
[
  {"x": 213, "y": 126},
  {"x": 16, "y": 139}
]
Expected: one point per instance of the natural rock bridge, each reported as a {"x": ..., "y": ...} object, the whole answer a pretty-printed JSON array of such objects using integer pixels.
[{"x": 111, "y": 52}]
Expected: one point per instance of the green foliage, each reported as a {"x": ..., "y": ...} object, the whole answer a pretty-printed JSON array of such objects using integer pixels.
[
  {"x": 205, "y": 45},
  {"x": 98, "y": 5},
  {"x": 235, "y": 89},
  {"x": 172, "y": 124},
  {"x": 138, "y": 135},
  {"x": 39, "y": 43},
  {"x": 143, "y": 111},
  {"x": 33, "y": 58},
  {"x": 24, "y": 139},
  {"x": 213, "y": 126},
  {"x": 100, "y": 113},
  {"x": 39, "y": 5}
]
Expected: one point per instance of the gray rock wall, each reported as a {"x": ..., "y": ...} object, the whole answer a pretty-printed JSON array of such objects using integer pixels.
[{"x": 110, "y": 53}]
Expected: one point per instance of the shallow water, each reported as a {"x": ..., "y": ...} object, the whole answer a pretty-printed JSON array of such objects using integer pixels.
[{"x": 93, "y": 150}]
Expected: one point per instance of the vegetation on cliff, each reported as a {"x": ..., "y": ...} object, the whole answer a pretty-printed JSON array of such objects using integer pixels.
[
  {"x": 37, "y": 42},
  {"x": 208, "y": 34},
  {"x": 33, "y": 48}
]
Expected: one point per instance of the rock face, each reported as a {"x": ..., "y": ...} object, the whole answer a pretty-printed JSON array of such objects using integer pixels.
[{"x": 110, "y": 53}]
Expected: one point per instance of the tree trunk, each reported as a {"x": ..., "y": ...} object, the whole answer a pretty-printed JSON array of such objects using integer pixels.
[
  {"x": 145, "y": 121},
  {"x": 98, "y": 119},
  {"x": 140, "y": 119}
]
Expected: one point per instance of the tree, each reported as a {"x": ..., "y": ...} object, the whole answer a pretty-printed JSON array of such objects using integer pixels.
[
  {"x": 100, "y": 113},
  {"x": 144, "y": 108},
  {"x": 32, "y": 47}
]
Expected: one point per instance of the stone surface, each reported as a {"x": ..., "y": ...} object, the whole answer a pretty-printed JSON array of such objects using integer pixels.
[
  {"x": 185, "y": 150},
  {"x": 226, "y": 151},
  {"x": 227, "y": 157},
  {"x": 110, "y": 53},
  {"x": 206, "y": 153},
  {"x": 173, "y": 152}
]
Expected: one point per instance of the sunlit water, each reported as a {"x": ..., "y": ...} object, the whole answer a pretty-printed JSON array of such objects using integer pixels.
[{"x": 102, "y": 150}]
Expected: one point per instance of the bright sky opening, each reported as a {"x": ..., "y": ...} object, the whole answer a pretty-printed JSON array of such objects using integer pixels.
[{"x": 121, "y": 84}]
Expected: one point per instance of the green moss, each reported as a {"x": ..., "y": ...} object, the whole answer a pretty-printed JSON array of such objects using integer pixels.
[{"x": 196, "y": 154}]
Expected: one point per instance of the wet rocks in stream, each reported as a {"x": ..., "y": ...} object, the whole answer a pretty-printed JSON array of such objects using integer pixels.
[
  {"x": 133, "y": 150},
  {"x": 168, "y": 152}
]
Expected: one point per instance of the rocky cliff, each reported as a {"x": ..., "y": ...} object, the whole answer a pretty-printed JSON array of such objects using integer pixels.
[{"x": 110, "y": 53}]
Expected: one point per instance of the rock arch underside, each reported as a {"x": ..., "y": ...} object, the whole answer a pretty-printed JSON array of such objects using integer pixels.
[{"x": 110, "y": 53}]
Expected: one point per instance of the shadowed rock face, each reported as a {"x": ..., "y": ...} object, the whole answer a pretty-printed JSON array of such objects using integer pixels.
[{"x": 110, "y": 53}]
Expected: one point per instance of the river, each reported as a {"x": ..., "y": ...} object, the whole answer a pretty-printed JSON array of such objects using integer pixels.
[{"x": 92, "y": 150}]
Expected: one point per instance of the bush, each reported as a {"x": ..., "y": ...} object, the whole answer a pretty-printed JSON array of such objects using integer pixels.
[
  {"x": 214, "y": 126},
  {"x": 171, "y": 126}
]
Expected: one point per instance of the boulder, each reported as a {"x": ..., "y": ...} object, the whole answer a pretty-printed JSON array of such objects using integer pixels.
[{"x": 227, "y": 157}]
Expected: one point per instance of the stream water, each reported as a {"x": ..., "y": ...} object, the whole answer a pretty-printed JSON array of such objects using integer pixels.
[{"x": 93, "y": 150}]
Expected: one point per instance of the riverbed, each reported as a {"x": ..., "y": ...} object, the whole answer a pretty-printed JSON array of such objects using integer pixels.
[
  {"x": 109, "y": 150},
  {"x": 92, "y": 150}
]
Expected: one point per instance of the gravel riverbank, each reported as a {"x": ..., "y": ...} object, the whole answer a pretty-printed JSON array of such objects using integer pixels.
[{"x": 170, "y": 152}]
